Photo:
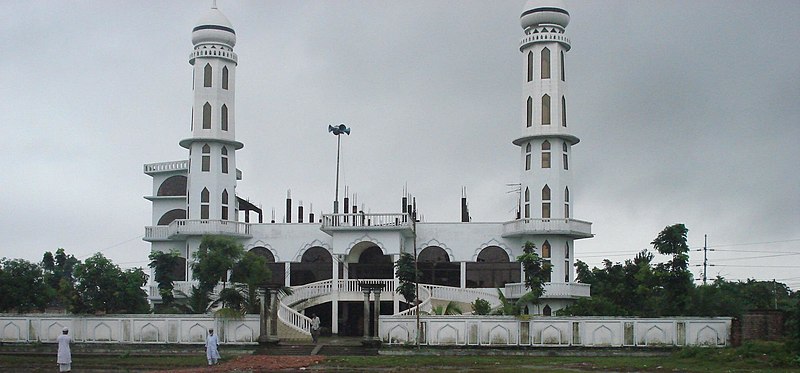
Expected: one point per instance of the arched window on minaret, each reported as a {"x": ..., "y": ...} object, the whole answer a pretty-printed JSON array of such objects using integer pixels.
[
  {"x": 563, "y": 111},
  {"x": 546, "y": 249},
  {"x": 545, "y": 110},
  {"x": 224, "y": 205},
  {"x": 224, "y": 160},
  {"x": 206, "y": 158},
  {"x": 565, "y": 155},
  {"x": 204, "y": 198},
  {"x": 530, "y": 66},
  {"x": 566, "y": 251},
  {"x": 528, "y": 157},
  {"x": 207, "y": 116},
  {"x": 527, "y": 203},
  {"x": 563, "y": 72},
  {"x": 546, "y": 154},
  {"x": 529, "y": 111},
  {"x": 566, "y": 204},
  {"x": 545, "y": 63},
  {"x": 224, "y": 117},
  {"x": 207, "y": 75},
  {"x": 225, "y": 75},
  {"x": 546, "y": 202}
]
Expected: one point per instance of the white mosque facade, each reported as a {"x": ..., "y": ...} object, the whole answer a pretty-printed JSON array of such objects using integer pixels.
[{"x": 460, "y": 261}]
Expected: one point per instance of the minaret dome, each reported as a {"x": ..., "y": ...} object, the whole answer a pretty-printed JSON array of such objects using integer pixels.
[
  {"x": 214, "y": 28},
  {"x": 540, "y": 12}
]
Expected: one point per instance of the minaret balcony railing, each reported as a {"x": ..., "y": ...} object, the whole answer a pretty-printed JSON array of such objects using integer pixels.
[
  {"x": 179, "y": 229},
  {"x": 569, "y": 227},
  {"x": 213, "y": 53},
  {"x": 359, "y": 222},
  {"x": 152, "y": 168},
  {"x": 544, "y": 37}
]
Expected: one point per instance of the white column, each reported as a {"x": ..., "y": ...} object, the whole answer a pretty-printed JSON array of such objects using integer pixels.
[
  {"x": 463, "y": 275},
  {"x": 288, "y": 274},
  {"x": 335, "y": 296}
]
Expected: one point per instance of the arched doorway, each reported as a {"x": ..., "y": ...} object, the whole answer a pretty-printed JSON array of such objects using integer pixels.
[
  {"x": 278, "y": 270},
  {"x": 315, "y": 265},
  {"x": 493, "y": 269},
  {"x": 372, "y": 264},
  {"x": 436, "y": 268}
]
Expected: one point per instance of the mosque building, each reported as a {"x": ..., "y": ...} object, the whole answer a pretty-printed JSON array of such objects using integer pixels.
[{"x": 460, "y": 261}]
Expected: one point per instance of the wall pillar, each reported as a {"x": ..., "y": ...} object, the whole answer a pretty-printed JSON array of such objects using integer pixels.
[{"x": 463, "y": 275}]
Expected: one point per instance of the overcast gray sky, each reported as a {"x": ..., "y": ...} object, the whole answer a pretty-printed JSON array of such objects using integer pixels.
[{"x": 688, "y": 111}]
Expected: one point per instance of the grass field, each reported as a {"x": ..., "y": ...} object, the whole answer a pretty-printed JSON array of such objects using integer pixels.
[{"x": 752, "y": 357}]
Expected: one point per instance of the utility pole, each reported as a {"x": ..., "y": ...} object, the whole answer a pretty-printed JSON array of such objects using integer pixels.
[{"x": 705, "y": 257}]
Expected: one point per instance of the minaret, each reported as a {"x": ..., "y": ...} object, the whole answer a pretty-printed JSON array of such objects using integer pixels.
[
  {"x": 212, "y": 147},
  {"x": 546, "y": 141}
]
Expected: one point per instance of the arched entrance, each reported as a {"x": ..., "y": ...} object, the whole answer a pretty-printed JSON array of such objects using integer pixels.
[
  {"x": 436, "y": 268},
  {"x": 493, "y": 269},
  {"x": 372, "y": 264},
  {"x": 278, "y": 270},
  {"x": 315, "y": 265}
]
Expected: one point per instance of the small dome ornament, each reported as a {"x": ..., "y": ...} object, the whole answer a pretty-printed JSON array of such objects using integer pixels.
[
  {"x": 214, "y": 28},
  {"x": 540, "y": 12}
]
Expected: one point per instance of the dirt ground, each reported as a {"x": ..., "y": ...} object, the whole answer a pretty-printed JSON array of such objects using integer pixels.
[{"x": 256, "y": 363}]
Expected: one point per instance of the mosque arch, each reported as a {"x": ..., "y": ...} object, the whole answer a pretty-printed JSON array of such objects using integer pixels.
[
  {"x": 436, "y": 268},
  {"x": 546, "y": 249},
  {"x": 206, "y": 116},
  {"x": 207, "y": 74},
  {"x": 205, "y": 196},
  {"x": 224, "y": 117},
  {"x": 545, "y": 110},
  {"x": 492, "y": 269},
  {"x": 171, "y": 216},
  {"x": 224, "y": 205},
  {"x": 546, "y": 154},
  {"x": 173, "y": 186},
  {"x": 545, "y": 63},
  {"x": 225, "y": 75},
  {"x": 530, "y": 66},
  {"x": 563, "y": 111},
  {"x": 372, "y": 263},
  {"x": 563, "y": 71},
  {"x": 278, "y": 270},
  {"x": 316, "y": 264},
  {"x": 206, "y": 158},
  {"x": 224, "y": 160},
  {"x": 529, "y": 112}
]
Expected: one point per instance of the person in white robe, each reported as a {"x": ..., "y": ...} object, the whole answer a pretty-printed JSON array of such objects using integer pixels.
[
  {"x": 64, "y": 354},
  {"x": 212, "y": 343}
]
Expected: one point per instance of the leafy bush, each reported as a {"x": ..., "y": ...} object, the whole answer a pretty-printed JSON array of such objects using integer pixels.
[{"x": 481, "y": 307}]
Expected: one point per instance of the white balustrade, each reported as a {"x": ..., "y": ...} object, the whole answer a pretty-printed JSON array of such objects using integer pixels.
[
  {"x": 365, "y": 221},
  {"x": 196, "y": 227},
  {"x": 574, "y": 227},
  {"x": 166, "y": 166},
  {"x": 551, "y": 290}
]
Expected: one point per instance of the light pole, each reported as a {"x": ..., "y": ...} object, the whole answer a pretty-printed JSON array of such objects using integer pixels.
[{"x": 338, "y": 130}]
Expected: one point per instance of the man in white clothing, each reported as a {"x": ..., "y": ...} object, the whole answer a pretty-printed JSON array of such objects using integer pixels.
[
  {"x": 314, "y": 327},
  {"x": 212, "y": 342},
  {"x": 64, "y": 354}
]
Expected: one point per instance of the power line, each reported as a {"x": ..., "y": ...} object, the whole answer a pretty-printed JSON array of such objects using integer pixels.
[
  {"x": 112, "y": 246},
  {"x": 752, "y": 243}
]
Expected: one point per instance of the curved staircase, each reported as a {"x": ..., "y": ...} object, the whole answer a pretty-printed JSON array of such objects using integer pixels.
[{"x": 304, "y": 296}]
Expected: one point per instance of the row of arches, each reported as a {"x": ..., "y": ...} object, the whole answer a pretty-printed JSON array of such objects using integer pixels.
[
  {"x": 546, "y": 202},
  {"x": 546, "y": 155},
  {"x": 223, "y": 117},
  {"x": 208, "y": 75},
  {"x": 546, "y": 111},
  {"x": 544, "y": 65}
]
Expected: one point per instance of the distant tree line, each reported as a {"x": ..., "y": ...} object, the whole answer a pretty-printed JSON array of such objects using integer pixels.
[{"x": 60, "y": 281}]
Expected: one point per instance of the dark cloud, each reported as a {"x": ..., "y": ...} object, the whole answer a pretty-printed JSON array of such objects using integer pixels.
[{"x": 687, "y": 112}]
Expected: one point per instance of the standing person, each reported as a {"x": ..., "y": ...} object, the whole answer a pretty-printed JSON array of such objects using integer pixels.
[
  {"x": 212, "y": 342},
  {"x": 314, "y": 327},
  {"x": 64, "y": 354}
]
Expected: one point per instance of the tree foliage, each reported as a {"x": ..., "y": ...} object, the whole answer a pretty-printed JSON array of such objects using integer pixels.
[
  {"x": 481, "y": 307},
  {"x": 101, "y": 286},
  {"x": 22, "y": 286},
  {"x": 407, "y": 276},
  {"x": 537, "y": 271},
  {"x": 163, "y": 265}
]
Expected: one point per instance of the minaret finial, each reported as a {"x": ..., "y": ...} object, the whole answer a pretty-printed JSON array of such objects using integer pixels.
[{"x": 213, "y": 4}]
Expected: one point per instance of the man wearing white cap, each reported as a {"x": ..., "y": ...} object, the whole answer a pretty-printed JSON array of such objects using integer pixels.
[
  {"x": 212, "y": 342},
  {"x": 64, "y": 355}
]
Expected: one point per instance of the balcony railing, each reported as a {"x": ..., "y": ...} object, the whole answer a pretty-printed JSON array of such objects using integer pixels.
[
  {"x": 571, "y": 227},
  {"x": 551, "y": 290},
  {"x": 152, "y": 168},
  {"x": 182, "y": 228},
  {"x": 358, "y": 221}
]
